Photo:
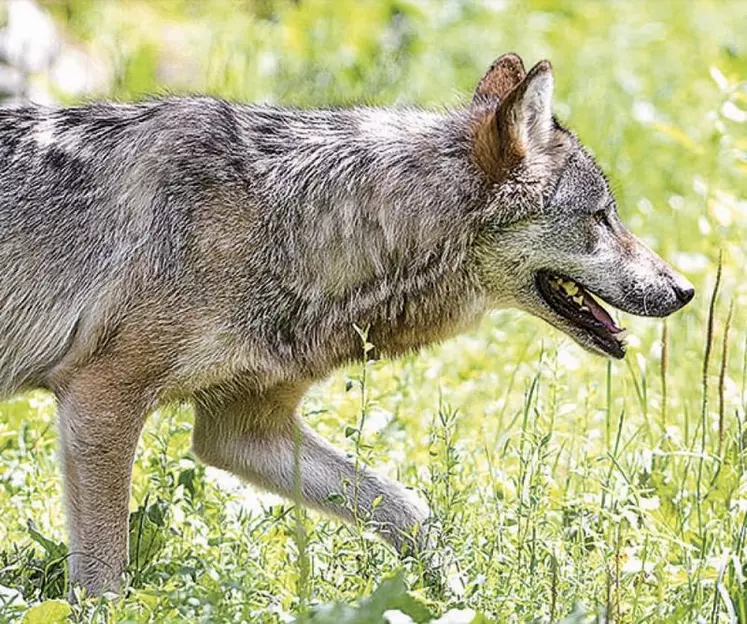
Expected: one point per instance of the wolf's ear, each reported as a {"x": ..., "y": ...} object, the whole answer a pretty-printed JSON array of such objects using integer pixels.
[
  {"x": 525, "y": 117},
  {"x": 502, "y": 76}
]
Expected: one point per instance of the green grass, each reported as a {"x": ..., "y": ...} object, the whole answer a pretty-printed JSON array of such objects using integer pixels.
[{"x": 562, "y": 484}]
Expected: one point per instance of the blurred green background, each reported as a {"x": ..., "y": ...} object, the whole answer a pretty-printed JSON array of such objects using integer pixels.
[{"x": 565, "y": 486}]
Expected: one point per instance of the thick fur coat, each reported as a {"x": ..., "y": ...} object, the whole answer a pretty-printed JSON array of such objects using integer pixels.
[{"x": 224, "y": 254}]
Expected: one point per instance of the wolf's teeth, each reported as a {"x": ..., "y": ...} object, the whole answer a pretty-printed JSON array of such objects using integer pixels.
[
  {"x": 570, "y": 288},
  {"x": 580, "y": 301},
  {"x": 621, "y": 335}
]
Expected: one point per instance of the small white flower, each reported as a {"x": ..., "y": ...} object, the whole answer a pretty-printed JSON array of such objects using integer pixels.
[
  {"x": 719, "y": 78},
  {"x": 455, "y": 583},
  {"x": 650, "y": 504},
  {"x": 11, "y": 597},
  {"x": 395, "y": 616},
  {"x": 632, "y": 564},
  {"x": 456, "y": 616},
  {"x": 733, "y": 112},
  {"x": 704, "y": 226},
  {"x": 644, "y": 112},
  {"x": 700, "y": 186}
]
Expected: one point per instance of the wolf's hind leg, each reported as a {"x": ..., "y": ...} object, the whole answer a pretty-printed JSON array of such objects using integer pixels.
[
  {"x": 260, "y": 438},
  {"x": 100, "y": 423}
]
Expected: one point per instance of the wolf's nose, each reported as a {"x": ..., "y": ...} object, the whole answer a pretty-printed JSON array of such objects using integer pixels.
[
  {"x": 684, "y": 293},
  {"x": 683, "y": 289}
]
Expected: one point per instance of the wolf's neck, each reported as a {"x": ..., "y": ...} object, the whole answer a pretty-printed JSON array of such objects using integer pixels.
[
  {"x": 363, "y": 194},
  {"x": 374, "y": 210}
]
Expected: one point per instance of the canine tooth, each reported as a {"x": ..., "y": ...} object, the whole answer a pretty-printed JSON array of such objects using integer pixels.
[
  {"x": 570, "y": 288},
  {"x": 621, "y": 335},
  {"x": 579, "y": 300}
]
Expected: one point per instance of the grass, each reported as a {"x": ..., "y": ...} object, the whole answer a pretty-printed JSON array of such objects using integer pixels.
[{"x": 563, "y": 486}]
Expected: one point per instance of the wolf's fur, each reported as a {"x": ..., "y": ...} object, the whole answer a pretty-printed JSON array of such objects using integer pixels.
[{"x": 191, "y": 249}]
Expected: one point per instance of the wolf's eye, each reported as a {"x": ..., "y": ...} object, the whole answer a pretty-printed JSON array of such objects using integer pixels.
[{"x": 600, "y": 216}]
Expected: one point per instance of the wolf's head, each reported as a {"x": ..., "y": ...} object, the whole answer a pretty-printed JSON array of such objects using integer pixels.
[{"x": 552, "y": 236}]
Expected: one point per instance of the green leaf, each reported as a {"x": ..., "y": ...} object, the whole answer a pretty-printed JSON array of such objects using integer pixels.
[
  {"x": 49, "y": 612},
  {"x": 187, "y": 479},
  {"x": 392, "y": 594},
  {"x": 54, "y": 550},
  {"x": 147, "y": 534},
  {"x": 336, "y": 499}
]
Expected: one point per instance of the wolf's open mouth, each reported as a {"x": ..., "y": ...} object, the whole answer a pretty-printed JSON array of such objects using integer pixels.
[{"x": 571, "y": 301}]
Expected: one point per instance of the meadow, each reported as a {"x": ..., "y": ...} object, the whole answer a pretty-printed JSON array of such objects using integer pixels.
[{"x": 565, "y": 488}]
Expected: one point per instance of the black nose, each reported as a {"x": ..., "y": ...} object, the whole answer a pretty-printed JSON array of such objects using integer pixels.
[{"x": 684, "y": 295}]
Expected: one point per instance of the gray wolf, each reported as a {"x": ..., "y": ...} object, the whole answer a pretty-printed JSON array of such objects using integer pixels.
[{"x": 195, "y": 250}]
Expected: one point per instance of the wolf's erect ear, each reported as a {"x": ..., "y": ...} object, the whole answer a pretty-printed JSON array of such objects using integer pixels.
[
  {"x": 525, "y": 117},
  {"x": 502, "y": 76},
  {"x": 520, "y": 125}
]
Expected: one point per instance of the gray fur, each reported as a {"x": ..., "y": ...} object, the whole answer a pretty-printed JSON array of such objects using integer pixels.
[{"x": 191, "y": 249}]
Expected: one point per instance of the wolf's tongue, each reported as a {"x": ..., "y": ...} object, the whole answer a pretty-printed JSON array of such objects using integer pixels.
[{"x": 600, "y": 314}]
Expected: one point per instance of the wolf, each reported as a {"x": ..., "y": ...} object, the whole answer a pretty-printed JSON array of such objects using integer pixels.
[{"x": 194, "y": 250}]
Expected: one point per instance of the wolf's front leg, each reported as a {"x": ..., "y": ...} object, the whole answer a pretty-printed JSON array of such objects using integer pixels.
[
  {"x": 260, "y": 438},
  {"x": 100, "y": 423}
]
